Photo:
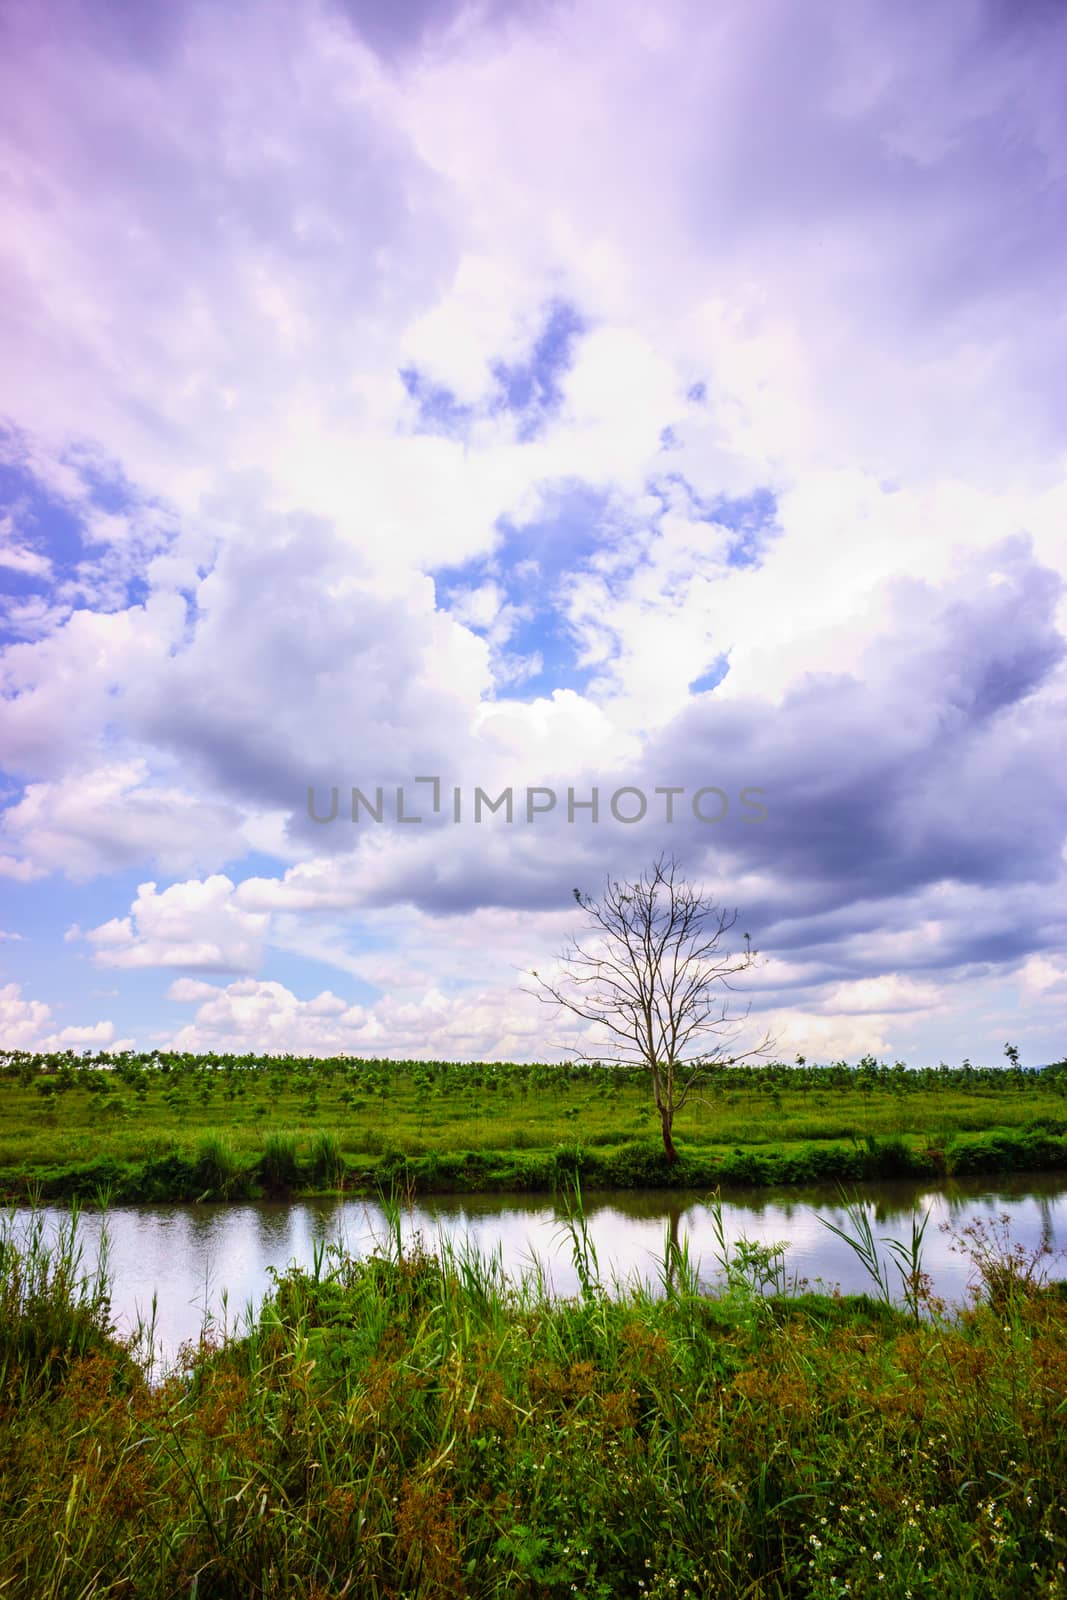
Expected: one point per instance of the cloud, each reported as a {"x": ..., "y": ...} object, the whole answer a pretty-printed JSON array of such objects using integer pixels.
[
  {"x": 268, "y": 1017},
  {"x": 880, "y": 996},
  {"x": 927, "y": 765},
  {"x": 21, "y": 871},
  {"x": 23, "y": 1020},
  {"x": 113, "y": 816},
  {"x": 23, "y": 1023},
  {"x": 19, "y": 557},
  {"x": 194, "y": 925},
  {"x": 98, "y": 1034},
  {"x": 537, "y": 395},
  {"x": 59, "y": 693},
  {"x": 325, "y": 679},
  {"x": 191, "y": 989},
  {"x": 1043, "y": 979},
  {"x": 246, "y": 260}
]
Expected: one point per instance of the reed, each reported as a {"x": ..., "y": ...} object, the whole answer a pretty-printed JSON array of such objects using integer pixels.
[{"x": 416, "y": 1423}]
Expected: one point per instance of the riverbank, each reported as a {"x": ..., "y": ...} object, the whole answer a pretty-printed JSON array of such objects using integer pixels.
[
  {"x": 418, "y": 1426},
  {"x": 194, "y": 1128},
  {"x": 315, "y": 1165}
]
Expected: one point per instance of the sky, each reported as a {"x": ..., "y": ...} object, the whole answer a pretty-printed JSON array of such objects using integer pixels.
[{"x": 542, "y": 397}]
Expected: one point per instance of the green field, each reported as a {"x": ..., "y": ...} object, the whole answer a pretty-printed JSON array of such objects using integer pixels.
[
  {"x": 410, "y": 1427},
  {"x": 154, "y": 1128}
]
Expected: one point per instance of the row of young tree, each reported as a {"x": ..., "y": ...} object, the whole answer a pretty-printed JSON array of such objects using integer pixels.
[{"x": 28, "y": 1067}]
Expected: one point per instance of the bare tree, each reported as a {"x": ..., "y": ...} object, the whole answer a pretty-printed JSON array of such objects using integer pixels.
[{"x": 651, "y": 973}]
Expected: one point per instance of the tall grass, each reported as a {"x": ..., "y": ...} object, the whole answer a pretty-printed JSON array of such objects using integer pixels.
[
  {"x": 326, "y": 1163},
  {"x": 279, "y": 1165},
  {"x": 906, "y": 1257},
  {"x": 417, "y": 1424},
  {"x": 217, "y": 1168},
  {"x": 53, "y": 1310}
]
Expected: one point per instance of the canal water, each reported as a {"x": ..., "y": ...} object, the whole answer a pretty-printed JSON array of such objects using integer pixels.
[{"x": 209, "y": 1264}]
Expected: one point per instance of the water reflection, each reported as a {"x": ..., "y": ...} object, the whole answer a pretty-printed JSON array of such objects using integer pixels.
[{"x": 213, "y": 1261}]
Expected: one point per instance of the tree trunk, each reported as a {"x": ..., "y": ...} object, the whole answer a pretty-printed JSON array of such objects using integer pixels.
[{"x": 666, "y": 1117}]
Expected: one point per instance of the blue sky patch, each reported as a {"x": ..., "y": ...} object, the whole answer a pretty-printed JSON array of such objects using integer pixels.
[
  {"x": 531, "y": 388},
  {"x": 528, "y": 389},
  {"x": 439, "y": 410},
  {"x": 530, "y": 565},
  {"x": 713, "y": 677},
  {"x": 84, "y": 571}
]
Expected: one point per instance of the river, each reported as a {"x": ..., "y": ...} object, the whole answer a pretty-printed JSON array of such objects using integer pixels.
[{"x": 211, "y": 1262}]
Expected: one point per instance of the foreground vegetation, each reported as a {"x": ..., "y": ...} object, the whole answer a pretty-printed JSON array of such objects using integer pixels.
[
  {"x": 173, "y": 1126},
  {"x": 408, "y": 1427}
]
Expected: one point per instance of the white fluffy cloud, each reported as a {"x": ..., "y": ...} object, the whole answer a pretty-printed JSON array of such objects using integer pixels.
[
  {"x": 23, "y": 1020},
  {"x": 112, "y": 816},
  {"x": 194, "y": 925},
  {"x": 30, "y": 1025},
  {"x": 266, "y": 1016}
]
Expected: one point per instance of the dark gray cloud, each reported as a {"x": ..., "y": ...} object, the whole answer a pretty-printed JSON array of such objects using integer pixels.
[
  {"x": 298, "y": 674},
  {"x": 936, "y": 778},
  {"x": 943, "y": 762}
]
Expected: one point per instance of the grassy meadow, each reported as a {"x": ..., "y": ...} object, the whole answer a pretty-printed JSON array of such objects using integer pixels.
[
  {"x": 190, "y": 1127},
  {"x": 412, "y": 1427}
]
